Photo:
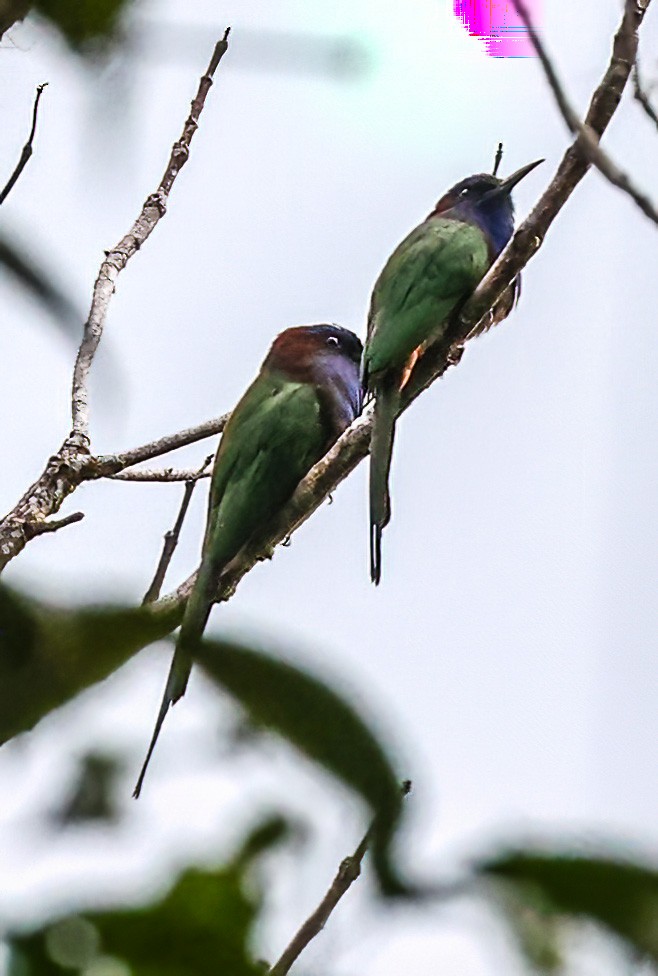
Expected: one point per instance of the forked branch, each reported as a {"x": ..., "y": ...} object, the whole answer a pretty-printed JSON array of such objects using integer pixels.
[
  {"x": 72, "y": 464},
  {"x": 588, "y": 140}
]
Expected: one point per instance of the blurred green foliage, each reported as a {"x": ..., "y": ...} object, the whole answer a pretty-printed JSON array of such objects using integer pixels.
[
  {"x": 41, "y": 286},
  {"x": 92, "y": 795},
  {"x": 201, "y": 927},
  {"x": 541, "y": 890},
  {"x": 83, "y": 23},
  {"x": 47, "y": 655},
  {"x": 321, "y": 725}
]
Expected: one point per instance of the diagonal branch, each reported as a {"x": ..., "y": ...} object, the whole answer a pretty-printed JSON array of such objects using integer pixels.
[
  {"x": 353, "y": 446},
  {"x": 172, "y": 536},
  {"x": 27, "y": 148},
  {"x": 588, "y": 140},
  {"x": 348, "y": 871},
  {"x": 115, "y": 261},
  {"x": 72, "y": 464}
]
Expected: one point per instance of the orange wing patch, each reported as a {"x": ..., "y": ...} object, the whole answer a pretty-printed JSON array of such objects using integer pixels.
[{"x": 411, "y": 362}]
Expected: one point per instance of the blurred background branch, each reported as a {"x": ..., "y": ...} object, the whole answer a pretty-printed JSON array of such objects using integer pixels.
[
  {"x": 588, "y": 140},
  {"x": 642, "y": 94}
]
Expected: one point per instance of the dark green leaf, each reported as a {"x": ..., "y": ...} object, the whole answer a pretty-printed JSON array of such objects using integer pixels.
[
  {"x": 271, "y": 832},
  {"x": 48, "y": 655},
  {"x": 12, "y": 11},
  {"x": 319, "y": 723},
  {"x": 38, "y": 283},
  {"x": 621, "y": 896},
  {"x": 84, "y": 22},
  {"x": 201, "y": 927},
  {"x": 536, "y": 933}
]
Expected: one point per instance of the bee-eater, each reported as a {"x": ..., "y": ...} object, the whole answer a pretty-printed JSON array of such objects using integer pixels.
[
  {"x": 425, "y": 280},
  {"x": 306, "y": 394}
]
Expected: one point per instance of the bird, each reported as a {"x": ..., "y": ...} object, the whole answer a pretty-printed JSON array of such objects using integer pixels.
[
  {"x": 308, "y": 391},
  {"x": 425, "y": 280}
]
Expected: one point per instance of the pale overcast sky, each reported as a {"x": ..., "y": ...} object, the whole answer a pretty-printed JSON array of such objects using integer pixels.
[{"x": 509, "y": 654}]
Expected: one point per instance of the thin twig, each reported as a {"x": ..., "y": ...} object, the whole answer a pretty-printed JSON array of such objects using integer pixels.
[
  {"x": 115, "y": 261},
  {"x": 642, "y": 96},
  {"x": 53, "y": 525},
  {"x": 347, "y": 873},
  {"x": 587, "y": 140},
  {"x": 72, "y": 464},
  {"x": 110, "y": 464},
  {"x": 159, "y": 475},
  {"x": 171, "y": 538},
  {"x": 27, "y": 148}
]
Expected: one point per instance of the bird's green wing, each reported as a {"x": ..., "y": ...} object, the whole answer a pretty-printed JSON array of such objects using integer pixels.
[
  {"x": 274, "y": 436},
  {"x": 272, "y": 439},
  {"x": 435, "y": 268}
]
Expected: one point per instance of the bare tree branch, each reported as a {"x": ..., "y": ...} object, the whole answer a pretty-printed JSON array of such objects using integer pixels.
[
  {"x": 348, "y": 871},
  {"x": 353, "y": 446},
  {"x": 72, "y": 464},
  {"x": 171, "y": 538},
  {"x": 159, "y": 475},
  {"x": 109, "y": 464},
  {"x": 53, "y": 525},
  {"x": 153, "y": 210},
  {"x": 588, "y": 140},
  {"x": 642, "y": 96},
  {"x": 27, "y": 148}
]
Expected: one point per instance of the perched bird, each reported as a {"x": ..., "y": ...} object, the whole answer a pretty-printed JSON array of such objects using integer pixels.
[
  {"x": 307, "y": 393},
  {"x": 428, "y": 276}
]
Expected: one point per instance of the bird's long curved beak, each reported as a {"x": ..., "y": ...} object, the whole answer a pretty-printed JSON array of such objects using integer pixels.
[{"x": 508, "y": 185}]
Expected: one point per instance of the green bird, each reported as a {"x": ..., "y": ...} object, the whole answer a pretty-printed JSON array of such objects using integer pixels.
[
  {"x": 426, "y": 279},
  {"x": 307, "y": 393}
]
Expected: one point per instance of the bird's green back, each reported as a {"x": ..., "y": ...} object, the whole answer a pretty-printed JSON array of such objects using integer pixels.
[
  {"x": 434, "y": 269},
  {"x": 271, "y": 440}
]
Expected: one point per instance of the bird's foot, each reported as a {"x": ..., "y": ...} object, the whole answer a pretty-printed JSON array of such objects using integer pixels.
[{"x": 455, "y": 354}]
